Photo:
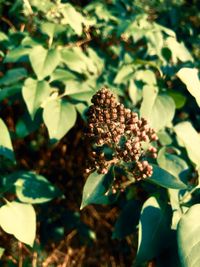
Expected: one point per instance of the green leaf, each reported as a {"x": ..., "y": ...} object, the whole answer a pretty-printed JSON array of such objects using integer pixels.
[
  {"x": 171, "y": 163},
  {"x": 1, "y": 251},
  {"x": 35, "y": 93},
  {"x": 96, "y": 188},
  {"x": 128, "y": 220},
  {"x": 20, "y": 220},
  {"x": 124, "y": 74},
  {"x": 7, "y": 92},
  {"x": 3, "y": 37},
  {"x": 164, "y": 138},
  {"x": 189, "y": 237},
  {"x": 179, "y": 50},
  {"x": 179, "y": 99},
  {"x": 33, "y": 188},
  {"x": 17, "y": 54},
  {"x": 165, "y": 179},
  {"x": 6, "y": 148},
  {"x": 72, "y": 17},
  {"x": 189, "y": 76},
  {"x": 13, "y": 76},
  {"x": 159, "y": 110},
  {"x": 25, "y": 125},
  {"x": 190, "y": 139},
  {"x": 59, "y": 117},
  {"x": 77, "y": 61},
  {"x": 44, "y": 61},
  {"x": 63, "y": 75},
  {"x": 49, "y": 28},
  {"x": 153, "y": 231}
]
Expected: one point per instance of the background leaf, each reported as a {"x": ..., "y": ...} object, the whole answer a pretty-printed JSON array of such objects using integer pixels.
[
  {"x": 20, "y": 220},
  {"x": 189, "y": 237}
]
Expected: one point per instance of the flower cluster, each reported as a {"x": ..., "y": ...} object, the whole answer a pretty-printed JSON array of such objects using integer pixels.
[{"x": 119, "y": 137}]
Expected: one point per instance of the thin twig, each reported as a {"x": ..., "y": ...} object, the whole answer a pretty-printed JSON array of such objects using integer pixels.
[
  {"x": 20, "y": 255},
  {"x": 9, "y": 23}
]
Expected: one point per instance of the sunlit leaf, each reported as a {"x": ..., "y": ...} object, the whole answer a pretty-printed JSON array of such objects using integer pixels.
[
  {"x": 190, "y": 139},
  {"x": 72, "y": 17},
  {"x": 19, "y": 220},
  {"x": 35, "y": 93},
  {"x": 171, "y": 163},
  {"x": 6, "y": 148},
  {"x": 124, "y": 73},
  {"x": 189, "y": 76},
  {"x": 159, "y": 110},
  {"x": 189, "y": 237},
  {"x": 59, "y": 117},
  {"x": 44, "y": 61}
]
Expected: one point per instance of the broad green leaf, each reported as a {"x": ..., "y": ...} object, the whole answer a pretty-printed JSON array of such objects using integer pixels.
[
  {"x": 35, "y": 93},
  {"x": 96, "y": 188},
  {"x": 189, "y": 237},
  {"x": 72, "y": 17},
  {"x": 25, "y": 125},
  {"x": 190, "y": 139},
  {"x": 171, "y": 163},
  {"x": 19, "y": 220},
  {"x": 59, "y": 117},
  {"x": 179, "y": 50},
  {"x": 164, "y": 138},
  {"x": 17, "y": 54},
  {"x": 174, "y": 196},
  {"x": 6, "y": 148},
  {"x": 13, "y": 76},
  {"x": 33, "y": 188},
  {"x": 189, "y": 76},
  {"x": 7, "y": 92},
  {"x": 63, "y": 75},
  {"x": 1, "y": 251},
  {"x": 159, "y": 110},
  {"x": 165, "y": 179},
  {"x": 147, "y": 76},
  {"x": 128, "y": 219},
  {"x": 77, "y": 61},
  {"x": 3, "y": 36},
  {"x": 124, "y": 74},
  {"x": 48, "y": 28},
  {"x": 44, "y": 61},
  {"x": 133, "y": 92},
  {"x": 153, "y": 231},
  {"x": 179, "y": 99}
]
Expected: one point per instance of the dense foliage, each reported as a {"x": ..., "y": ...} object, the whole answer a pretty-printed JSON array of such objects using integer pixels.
[{"x": 55, "y": 56}]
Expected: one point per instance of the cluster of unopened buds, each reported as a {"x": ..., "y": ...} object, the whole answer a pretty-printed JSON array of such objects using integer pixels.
[{"x": 119, "y": 137}]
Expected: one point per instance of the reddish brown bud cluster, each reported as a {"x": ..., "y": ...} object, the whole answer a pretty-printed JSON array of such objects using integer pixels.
[{"x": 111, "y": 125}]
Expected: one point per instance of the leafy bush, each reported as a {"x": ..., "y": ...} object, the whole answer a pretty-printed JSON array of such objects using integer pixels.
[{"x": 55, "y": 56}]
